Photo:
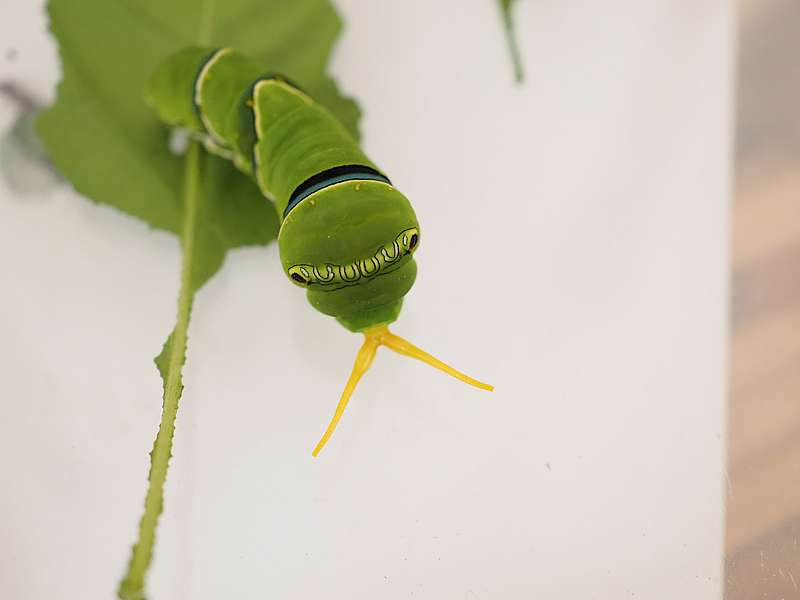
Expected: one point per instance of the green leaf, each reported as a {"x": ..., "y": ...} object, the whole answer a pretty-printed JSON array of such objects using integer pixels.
[
  {"x": 511, "y": 36},
  {"x": 110, "y": 146}
]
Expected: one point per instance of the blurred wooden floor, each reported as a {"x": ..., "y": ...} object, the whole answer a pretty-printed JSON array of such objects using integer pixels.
[{"x": 763, "y": 504}]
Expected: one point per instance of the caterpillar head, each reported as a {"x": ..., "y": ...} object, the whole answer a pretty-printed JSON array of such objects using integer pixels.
[{"x": 351, "y": 245}]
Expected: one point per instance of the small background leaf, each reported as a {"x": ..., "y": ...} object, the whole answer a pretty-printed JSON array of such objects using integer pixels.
[{"x": 506, "y": 7}]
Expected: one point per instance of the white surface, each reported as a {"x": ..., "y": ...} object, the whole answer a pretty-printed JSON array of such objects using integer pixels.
[{"x": 574, "y": 255}]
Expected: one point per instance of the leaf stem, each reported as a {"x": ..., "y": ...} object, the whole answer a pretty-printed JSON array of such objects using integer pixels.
[
  {"x": 132, "y": 585},
  {"x": 511, "y": 36}
]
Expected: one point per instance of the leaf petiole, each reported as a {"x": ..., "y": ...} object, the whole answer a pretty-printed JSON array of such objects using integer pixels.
[{"x": 170, "y": 363}]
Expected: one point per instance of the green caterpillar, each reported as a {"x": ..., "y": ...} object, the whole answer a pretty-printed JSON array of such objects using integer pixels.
[{"x": 347, "y": 235}]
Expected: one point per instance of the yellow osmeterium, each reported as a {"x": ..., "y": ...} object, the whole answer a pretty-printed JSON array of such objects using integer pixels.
[{"x": 381, "y": 336}]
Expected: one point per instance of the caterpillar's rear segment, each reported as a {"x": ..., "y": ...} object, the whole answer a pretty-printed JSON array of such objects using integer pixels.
[{"x": 381, "y": 336}]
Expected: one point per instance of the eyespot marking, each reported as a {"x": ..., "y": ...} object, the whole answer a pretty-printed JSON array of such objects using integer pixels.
[
  {"x": 385, "y": 256},
  {"x": 299, "y": 279}
]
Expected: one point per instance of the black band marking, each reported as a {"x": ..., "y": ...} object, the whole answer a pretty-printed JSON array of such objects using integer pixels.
[{"x": 330, "y": 177}]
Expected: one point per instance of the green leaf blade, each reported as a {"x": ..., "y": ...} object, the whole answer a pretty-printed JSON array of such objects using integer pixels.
[{"x": 110, "y": 145}]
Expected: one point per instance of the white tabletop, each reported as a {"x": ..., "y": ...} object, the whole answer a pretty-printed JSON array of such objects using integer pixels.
[{"x": 574, "y": 255}]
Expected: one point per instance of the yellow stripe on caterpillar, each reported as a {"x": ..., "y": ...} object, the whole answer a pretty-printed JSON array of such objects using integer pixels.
[{"x": 202, "y": 77}]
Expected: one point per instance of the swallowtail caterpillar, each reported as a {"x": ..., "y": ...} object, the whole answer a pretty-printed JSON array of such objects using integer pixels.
[{"x": 347, "y": 235}]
